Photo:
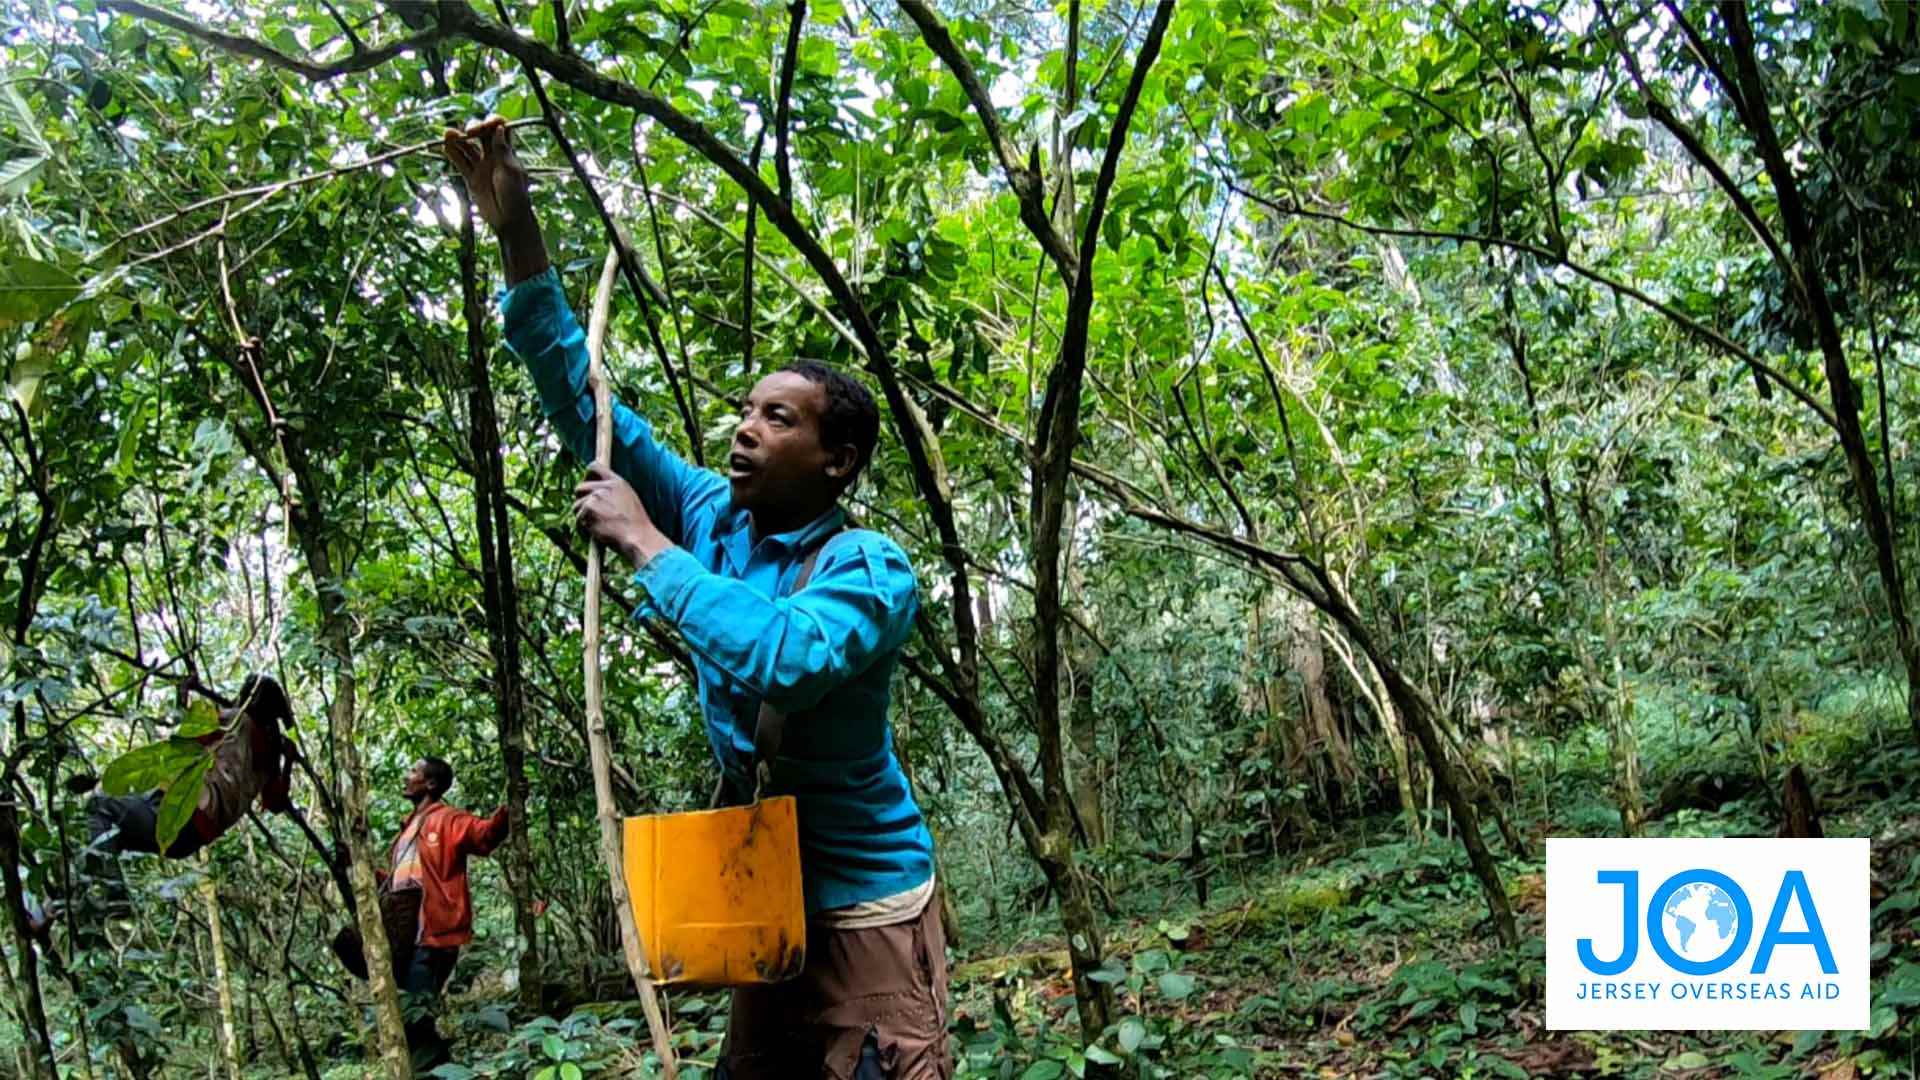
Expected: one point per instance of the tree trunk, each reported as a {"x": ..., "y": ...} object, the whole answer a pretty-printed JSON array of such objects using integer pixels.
[
  {"x": 1812, "y": 292},
  {"x": 337, "y": 643},
  {"x": 39, "y": 1048},
  {"x": 500, "y": 598},
  {"x": 1623, "y": 745},
  {"x": 1623, "y": 748},
  {"x": 1802, "y": 813},
  {"x": 1086, "y": 948},
  {"x": 1307, "y": 658},
  {"x": 1083, "y": 765},
  {"x": 1479, "y": 781},
  {"x": 1374, "y": 689},
  {"x": 336, "y": 649}
]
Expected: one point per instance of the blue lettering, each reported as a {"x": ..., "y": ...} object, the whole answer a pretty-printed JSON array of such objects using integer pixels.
[
  {"x": 1629, "y": 882},
  {"x": 1794, "y": 887}
]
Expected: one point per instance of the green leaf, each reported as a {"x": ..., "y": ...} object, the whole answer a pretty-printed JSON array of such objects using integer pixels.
[
  {"x": 1882, "y": 1021},
  {"x": 183, "y": 795},
  {"x": 553, "y": 1047},
  {"x": 1132, "y": 1033},
  {"x": 1692, "y": 1059},
  {"x": 1310, "y": 114},
  {"x": 149, "y": 767},
  {"x": 17, "y": 173},
  {"x": 1470, "y": 1017},
  {"x": 1109, "y": 973},
  {"x": 1046, "y": 1069},
  {"x": 1100, "y": 1055},
  {"x": 202, "y": 719},
  {"x": 1176, "y": 986},
  {"x": 24, "y": 122},
  {"x": 451, "y": 1071},
  {"x": 1506, "y": 1068},
  {"x": 123, "y": 458},
  {"x": 30, "y": 290},
  {"x": 570, "y": 1071}
]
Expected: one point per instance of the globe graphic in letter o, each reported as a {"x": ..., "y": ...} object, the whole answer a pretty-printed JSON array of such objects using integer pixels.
[{"x": 1700, "y": 922}]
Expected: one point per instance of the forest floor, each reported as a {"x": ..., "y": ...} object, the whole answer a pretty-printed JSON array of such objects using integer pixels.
[{"x": 1360, "y": 957}]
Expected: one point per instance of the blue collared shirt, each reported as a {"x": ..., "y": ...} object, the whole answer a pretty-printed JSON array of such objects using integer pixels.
[{"x": 830, "y": 648}]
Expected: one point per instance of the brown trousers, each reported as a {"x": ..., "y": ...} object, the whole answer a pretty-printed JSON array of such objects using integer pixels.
[{"x": 888, "y": 982}]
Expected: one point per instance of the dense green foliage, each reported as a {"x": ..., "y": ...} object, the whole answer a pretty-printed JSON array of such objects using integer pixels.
[{"x": 1530, "y": 371}]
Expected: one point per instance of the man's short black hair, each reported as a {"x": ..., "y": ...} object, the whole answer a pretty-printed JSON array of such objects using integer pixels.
[
  {"x": 852, "y": 418},
  {"x": 439, "y": 775}
]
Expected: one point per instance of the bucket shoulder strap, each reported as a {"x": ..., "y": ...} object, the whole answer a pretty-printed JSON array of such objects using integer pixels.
[{"x": 770, "y": 727}]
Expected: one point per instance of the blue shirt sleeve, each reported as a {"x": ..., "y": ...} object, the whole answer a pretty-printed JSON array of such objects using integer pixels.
[
  {"x": 543, "y": 333},
  {"x": 791, "y": 651}
]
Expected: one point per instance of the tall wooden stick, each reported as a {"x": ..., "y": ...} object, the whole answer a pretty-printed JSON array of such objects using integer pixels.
[
  {"x": 597, "y": 744},
  {"x": 222, "y": 977}
]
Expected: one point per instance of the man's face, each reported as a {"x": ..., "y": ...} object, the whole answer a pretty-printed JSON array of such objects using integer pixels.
[
  {"x": 777, "y": 460},
  {"x": 415, "y": 786}
]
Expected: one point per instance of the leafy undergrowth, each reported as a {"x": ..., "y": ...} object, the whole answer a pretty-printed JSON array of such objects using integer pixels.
[{"x": 1379, "y": 962}]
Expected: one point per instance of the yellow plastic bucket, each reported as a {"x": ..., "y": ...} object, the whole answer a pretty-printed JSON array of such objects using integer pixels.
[{"x": 716, "y": 893}]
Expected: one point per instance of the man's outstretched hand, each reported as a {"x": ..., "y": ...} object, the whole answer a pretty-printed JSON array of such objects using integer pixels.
[
  {"x": 607, "y": 508},
  {"x": 499, "y": 186},
  {"x": 497, "y": 181}
]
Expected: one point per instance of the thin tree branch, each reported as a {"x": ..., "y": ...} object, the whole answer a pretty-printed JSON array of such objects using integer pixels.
[
  {"x": 1301, "y": 485},
  {"x": 1060, "y": 409},
  {"x": 234, "y": 43},
  {"x": 1698, "y": 44},
  {"x": 346, "y": 27},
  {"x": 746, "y": 270}
]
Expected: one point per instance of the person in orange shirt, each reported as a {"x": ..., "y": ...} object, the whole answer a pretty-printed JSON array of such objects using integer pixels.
[{"x": 429, "y": 860}]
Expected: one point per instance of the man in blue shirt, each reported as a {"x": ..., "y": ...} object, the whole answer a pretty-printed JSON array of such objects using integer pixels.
[{"x": 720, "y": 558}]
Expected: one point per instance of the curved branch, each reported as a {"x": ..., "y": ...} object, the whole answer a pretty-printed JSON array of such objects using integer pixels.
[
  {"x": 234, "y": 43},
  {"x": 746, "y": 268},
  {"x": 1060, "y": 407}
]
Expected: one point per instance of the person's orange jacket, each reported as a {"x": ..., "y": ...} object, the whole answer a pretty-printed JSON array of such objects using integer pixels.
[{"x": 448, "y": 835}]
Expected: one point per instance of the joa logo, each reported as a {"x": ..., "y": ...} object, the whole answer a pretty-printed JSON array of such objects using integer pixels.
[{"x": 1705, "y": 934}]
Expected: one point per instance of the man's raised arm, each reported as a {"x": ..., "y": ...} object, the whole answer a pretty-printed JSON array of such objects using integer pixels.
[{"x": 542, "y": 331}]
